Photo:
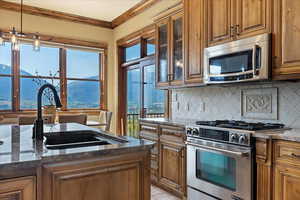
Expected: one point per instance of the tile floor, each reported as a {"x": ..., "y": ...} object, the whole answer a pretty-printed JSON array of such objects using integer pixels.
[{"x": 159, "y": 194}]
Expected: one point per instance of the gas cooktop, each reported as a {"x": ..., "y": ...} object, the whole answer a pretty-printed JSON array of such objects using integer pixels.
[{"x": 240, "y": 125}]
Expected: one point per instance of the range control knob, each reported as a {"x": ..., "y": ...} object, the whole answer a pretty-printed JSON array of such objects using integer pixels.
[
  {"x": 195, "y": 132},
  {"x": 189, "y": 131},
  {"x": 234, "y": 138},
  {"x": 243, "y": 139}
]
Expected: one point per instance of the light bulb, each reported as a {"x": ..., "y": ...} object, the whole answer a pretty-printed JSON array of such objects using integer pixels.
[
  {"x": 36, "y": 43},
  {"x": 1, "y": 39},
  {"x": 15, "y": 46},
  {"x": 13, "y": 38}
]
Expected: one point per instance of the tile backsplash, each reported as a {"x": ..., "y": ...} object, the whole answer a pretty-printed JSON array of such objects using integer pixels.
[{"x": 276, "y": 102}]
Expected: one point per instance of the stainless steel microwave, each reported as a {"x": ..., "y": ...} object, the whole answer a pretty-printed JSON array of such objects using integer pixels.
[{"x": 238, "y": 61}]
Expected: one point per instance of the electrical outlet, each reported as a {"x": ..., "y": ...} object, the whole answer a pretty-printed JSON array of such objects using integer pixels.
[
  {"x": 187, "y": 108},
  {"x": 201, "y": 106}
]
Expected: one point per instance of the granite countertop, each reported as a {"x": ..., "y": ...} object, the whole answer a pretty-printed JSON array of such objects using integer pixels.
[
  {"x": 171, "y": 122},
  {"x": 288, "y": 134},
  {"x": 19, "y": 149}
]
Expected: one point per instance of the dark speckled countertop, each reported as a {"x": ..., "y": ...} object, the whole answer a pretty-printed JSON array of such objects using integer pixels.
[
  {"x": 171, "y": 122},
  {"x": 19, "y": 153}
]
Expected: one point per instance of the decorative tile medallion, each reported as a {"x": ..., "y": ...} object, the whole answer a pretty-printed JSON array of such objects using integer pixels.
[{"x": 260, "y": 103}]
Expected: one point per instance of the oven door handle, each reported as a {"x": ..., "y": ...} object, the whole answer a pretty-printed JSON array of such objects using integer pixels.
[{"x": 236, "y": 153}]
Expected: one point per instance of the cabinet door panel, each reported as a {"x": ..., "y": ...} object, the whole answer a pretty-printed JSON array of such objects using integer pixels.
[
  {"x": 253, "y": 17},
  {"x": 162, "y": 49},
  {"x": 287, "y": 39},
  {"x": 172, "y": 167},
  {"x": 287, "y": 183},
  {"x": 219, "y": 20},
  {"x": 125, "y": 178},
  {"x": 194, "y": 40},
  {"x": 18, "y": 189},
  {"x": 177, "y": 48}
]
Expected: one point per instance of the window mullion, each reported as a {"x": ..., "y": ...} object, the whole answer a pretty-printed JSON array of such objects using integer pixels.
[
  {"x": 63, "y": 77},
  {"x": 15, "y": 81}
]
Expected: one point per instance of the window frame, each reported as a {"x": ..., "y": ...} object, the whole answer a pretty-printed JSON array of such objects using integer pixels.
[
  {"x": 62, "y": 44},
  {"x": 141, "y": 36}
]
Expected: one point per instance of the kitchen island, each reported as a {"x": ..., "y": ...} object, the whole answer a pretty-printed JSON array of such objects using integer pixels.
[{"x": 29, "y": 170}]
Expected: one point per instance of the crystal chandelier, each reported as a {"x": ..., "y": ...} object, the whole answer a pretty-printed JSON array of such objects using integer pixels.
[{"x": 16, "y": 36}]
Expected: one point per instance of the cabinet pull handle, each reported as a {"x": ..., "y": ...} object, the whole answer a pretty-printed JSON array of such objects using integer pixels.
[
  {"x": 232, "y": 30},
  {"x": 237, "y": 30},
  {"x": 295, "y": 155}
]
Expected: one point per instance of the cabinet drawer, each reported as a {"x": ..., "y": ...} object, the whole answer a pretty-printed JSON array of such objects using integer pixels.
[
  {"x": 149, "y": 130},
  {"x": 154, "y": 150},
  {"x": 287, "y": 152},
  {"x": 173, "y": 133}
]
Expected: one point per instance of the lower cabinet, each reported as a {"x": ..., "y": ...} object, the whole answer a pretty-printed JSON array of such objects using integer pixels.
[
  {"x": 278, "y": 170},
  {"x": 172, "y": 167},
  {"x": 168, "y": 157},
  {"x": 18, "y": 189},
  {"x": 287, "y": 183},
  {"x": 125, "y": 177}
]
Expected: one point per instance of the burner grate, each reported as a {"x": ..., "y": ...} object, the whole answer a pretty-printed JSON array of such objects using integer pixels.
[{"x": 240, "y": 125}]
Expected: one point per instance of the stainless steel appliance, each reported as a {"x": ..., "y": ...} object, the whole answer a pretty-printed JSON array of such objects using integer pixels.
[
  {"x": 220, "y": 159},
  {"x": 238, "y": 61}
]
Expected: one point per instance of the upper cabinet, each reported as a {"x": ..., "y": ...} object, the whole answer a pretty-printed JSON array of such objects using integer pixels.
[
  {"x": 220, "y": 22},
  {"x": 169, "y": 46},
  {"x": 194, "y": 41},
  {"x": 228, "y": 20},
  {"x": 253, "y": 17},
  {"x": 286, "y": 40}
]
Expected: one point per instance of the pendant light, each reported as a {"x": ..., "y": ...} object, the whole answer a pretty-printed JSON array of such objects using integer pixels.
[
  {"x": 14, "y": 36},
  {"x": 1, "y": 39}
]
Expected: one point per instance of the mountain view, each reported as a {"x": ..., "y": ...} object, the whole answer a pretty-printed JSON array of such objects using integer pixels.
[{"x": 81, "y": 94}]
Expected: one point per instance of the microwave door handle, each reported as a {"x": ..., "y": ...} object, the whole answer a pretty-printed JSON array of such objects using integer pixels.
[
  {"x": 254, "y": 63},
  {"x": 235, "y": 153}
]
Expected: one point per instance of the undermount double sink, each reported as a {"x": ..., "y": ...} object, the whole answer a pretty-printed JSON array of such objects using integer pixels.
[{"x": 74, "y": 139}]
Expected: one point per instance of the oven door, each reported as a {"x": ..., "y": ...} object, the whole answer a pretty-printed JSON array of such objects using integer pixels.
[{"x": 221, "y": 170}]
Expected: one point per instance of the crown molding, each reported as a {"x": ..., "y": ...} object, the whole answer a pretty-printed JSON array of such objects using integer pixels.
[
  {"x": 54, "y": 14},
  {"x": 134, "y": 11}
]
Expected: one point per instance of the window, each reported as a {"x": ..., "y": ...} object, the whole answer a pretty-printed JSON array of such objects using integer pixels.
[
  {"x": 133, "y": 52},
  {"x": 5, "y": 78},
  {"x": 83, "y": 69},
  {"x": 150, "y": 47},
  {"x": 142, "y": 99},
  {"x": 37, "y": 69},
  {"x": 76, "y": 74}
]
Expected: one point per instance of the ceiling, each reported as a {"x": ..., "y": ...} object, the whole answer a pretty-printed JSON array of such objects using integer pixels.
[{"x": 106, "y": 10}]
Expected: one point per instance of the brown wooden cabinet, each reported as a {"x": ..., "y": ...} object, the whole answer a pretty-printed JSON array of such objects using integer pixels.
[
  {"x": 169, "y": 159},
  {"x": 278, "y": 170},
  {"x": 18, "y": 189},
  {"x": 150, "y": 132},
  {"x": 170, "y": 49},
  {"x": 194, "y": 41},
  {"x": 286, "y": 40},
  {"x": 219, "y": 21},
  {"x": 172, "y": 166},
  {"x": 253, "y": 17},
  {"x": 228, "y": 20},
  {"x": 125, "y": 177}
]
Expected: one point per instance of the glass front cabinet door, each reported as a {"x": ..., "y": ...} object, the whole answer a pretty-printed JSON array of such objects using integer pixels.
[{"x": 169, "y": 56}]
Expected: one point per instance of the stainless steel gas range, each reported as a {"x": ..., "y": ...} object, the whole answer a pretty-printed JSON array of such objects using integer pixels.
[{"x": 220, "y": 159}]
